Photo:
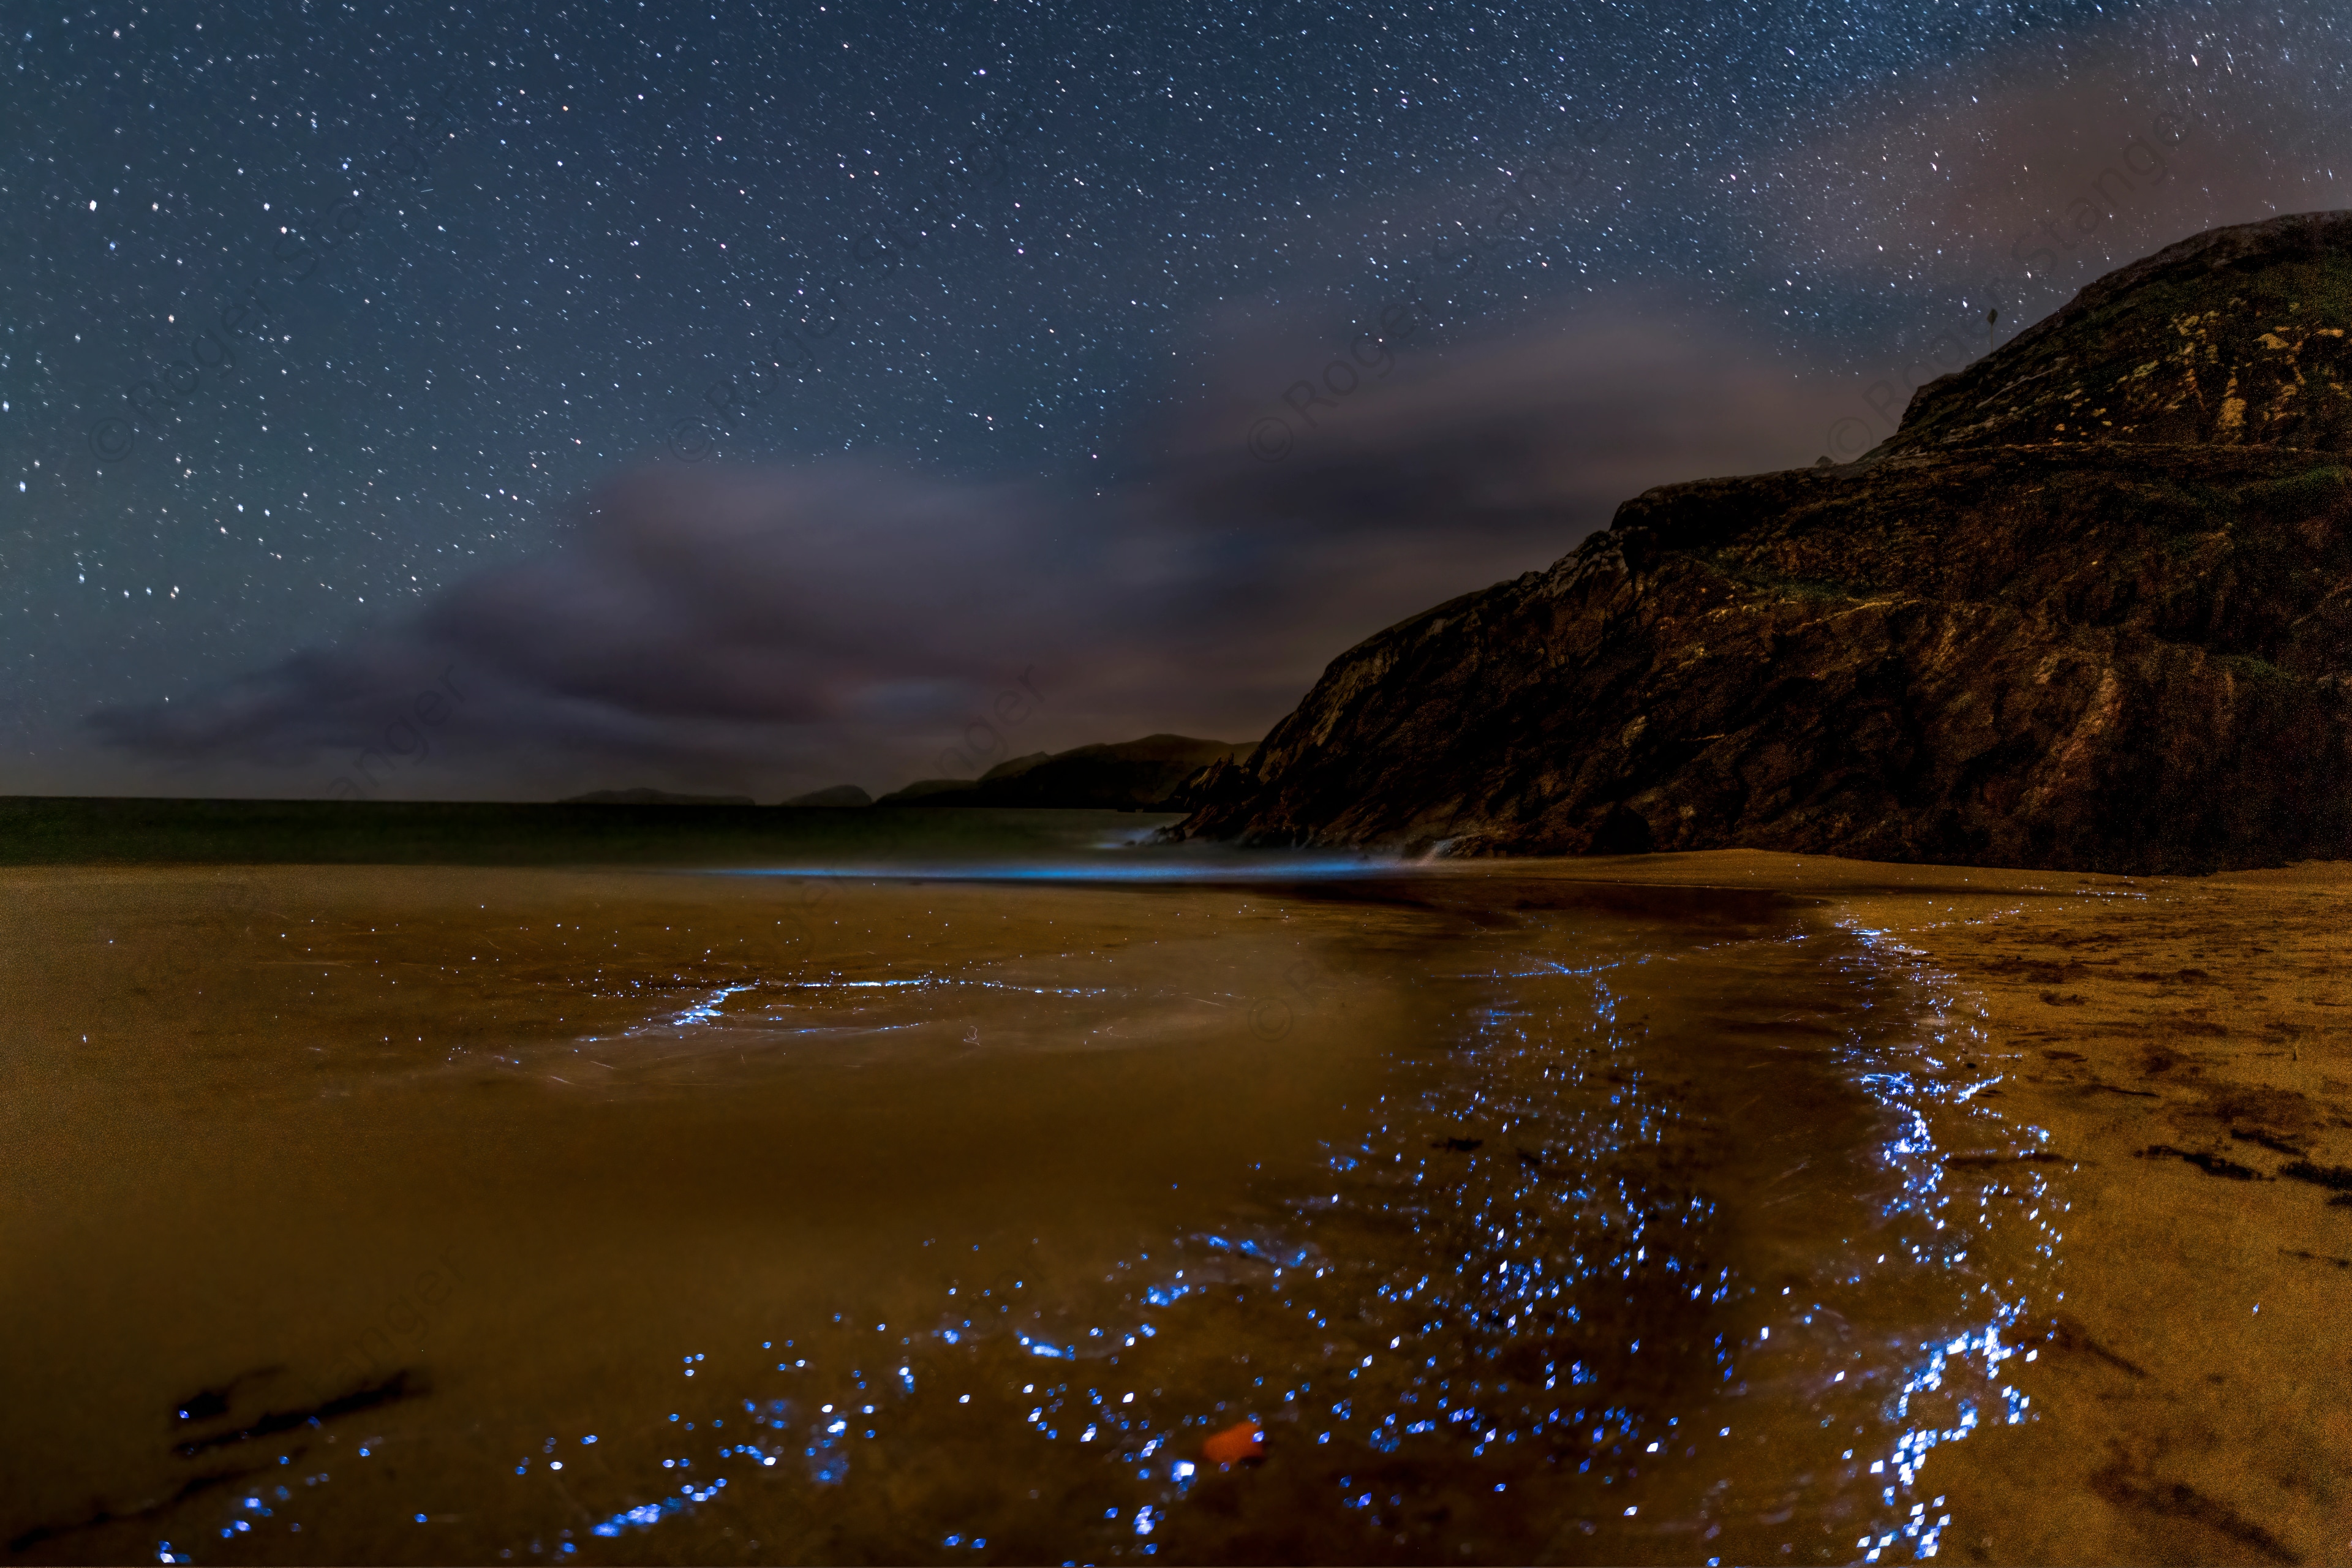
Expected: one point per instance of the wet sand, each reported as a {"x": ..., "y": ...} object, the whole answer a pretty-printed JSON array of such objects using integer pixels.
[
  {"x": 1753, "y": 1208},
  {"x": 2186, "y": 1044}
]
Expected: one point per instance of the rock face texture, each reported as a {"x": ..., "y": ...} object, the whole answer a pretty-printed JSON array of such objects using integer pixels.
[{"x": 2090, "y": 608}]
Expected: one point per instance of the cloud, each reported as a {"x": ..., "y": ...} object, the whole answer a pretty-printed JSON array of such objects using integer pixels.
[
  {"x": 2018, "y": 177},
  {"x": 770, "y": 630}
]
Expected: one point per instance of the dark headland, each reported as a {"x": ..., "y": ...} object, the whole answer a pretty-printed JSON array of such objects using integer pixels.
[
  {"x": 1126, "y": 775},
  {"x": 2090, "y": 608}
]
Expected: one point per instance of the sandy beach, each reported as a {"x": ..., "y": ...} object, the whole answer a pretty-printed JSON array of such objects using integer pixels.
[
  {"x": 2184, "y": 1043},
  {"x": 634, "y": 1115}
]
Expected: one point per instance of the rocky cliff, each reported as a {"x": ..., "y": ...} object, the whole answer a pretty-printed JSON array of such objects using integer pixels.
[{"x": 2090, "y": 608}]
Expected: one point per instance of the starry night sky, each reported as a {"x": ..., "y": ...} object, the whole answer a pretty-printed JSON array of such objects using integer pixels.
[{"x": 746, "y": 397}]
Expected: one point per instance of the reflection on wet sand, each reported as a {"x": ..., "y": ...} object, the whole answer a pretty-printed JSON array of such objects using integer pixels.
[{"x": 1474, "y": 1214}]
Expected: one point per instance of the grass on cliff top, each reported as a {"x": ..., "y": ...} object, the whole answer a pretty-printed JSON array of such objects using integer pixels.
[{"x": 1819, "y": 589}]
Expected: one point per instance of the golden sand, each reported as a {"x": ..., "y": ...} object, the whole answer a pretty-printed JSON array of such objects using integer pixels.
[
  {"x": 222, "y": 1151},
  {"x": 2184, "y": 1041}
]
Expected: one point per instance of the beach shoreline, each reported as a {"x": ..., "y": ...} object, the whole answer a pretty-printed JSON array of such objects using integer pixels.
[
  {"x": 2165, "y": 1056},
  {"x": 2182, "y": 1041}
]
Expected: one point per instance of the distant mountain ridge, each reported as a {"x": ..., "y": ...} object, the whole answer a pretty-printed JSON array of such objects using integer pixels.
[
  {"x": 837, "y": 796},
  {"x": 651, "y": 797},
  {"x": 1155, "y": 772},
  {"x": 1128, "y": 776}
]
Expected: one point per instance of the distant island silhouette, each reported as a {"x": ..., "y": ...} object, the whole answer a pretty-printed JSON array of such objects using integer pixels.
[
  {"x": 1127, "y": 775},
  {"x": 651, "y": 797}
]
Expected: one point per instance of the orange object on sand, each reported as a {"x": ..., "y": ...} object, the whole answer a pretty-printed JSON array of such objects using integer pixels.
[{"x": 1241, "y": 1440}]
